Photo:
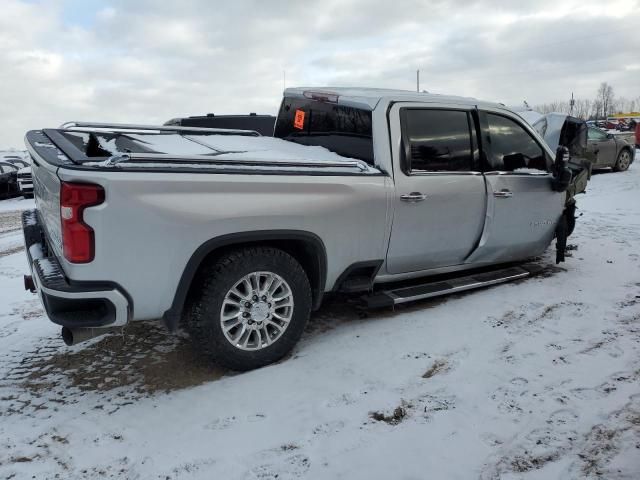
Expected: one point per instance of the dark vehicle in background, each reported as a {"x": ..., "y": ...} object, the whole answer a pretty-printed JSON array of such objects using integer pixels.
[
  {"x": 608, "y": 150},
  {"x": 25, "y": 182},
  {"x": 16, "y": 161},
  {"x": 8, "y": 179},
  {"x": 263, "y": 124}
]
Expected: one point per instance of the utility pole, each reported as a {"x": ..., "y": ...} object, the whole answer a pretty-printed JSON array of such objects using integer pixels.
[
  {"x": 572, "y": 102},
  {"x": 418, "y": 81}
]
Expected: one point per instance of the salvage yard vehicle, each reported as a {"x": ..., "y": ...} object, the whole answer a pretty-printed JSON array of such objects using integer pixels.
[
  {"x": 263, "y": 124},
  {"x": 609, "y": 150},
  {"x": 8, "y": 180},
  {"x": 25, "y": 182},
  {"x": 240, "y": 236}
]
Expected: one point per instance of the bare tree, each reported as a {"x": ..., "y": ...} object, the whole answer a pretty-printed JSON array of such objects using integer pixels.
[
  {"x": 605, "y": 99},
  {"x": 624, "y": 105},
  {"x": 582, "y": 108}
]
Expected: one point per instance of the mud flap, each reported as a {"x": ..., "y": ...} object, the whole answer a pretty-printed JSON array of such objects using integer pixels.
[
  {"x": 570, "y": 215},
  {"x": 561, "y": 239}
]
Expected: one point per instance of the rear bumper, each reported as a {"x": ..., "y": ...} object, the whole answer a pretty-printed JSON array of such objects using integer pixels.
[{"x": 67, "y": 303}]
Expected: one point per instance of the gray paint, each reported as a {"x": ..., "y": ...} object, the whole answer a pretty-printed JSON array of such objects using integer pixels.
[{"x": 152, "y": 222}]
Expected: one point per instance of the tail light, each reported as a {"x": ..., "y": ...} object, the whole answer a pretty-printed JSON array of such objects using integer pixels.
[{"x": 78, "y": 243}]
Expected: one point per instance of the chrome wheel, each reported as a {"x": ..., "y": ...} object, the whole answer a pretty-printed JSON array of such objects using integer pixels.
[
  {"x": 256, "y": 310},
  {"x": 624, "y": 160}
]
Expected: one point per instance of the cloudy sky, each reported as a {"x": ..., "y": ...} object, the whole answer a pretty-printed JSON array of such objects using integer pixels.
[{"x": 148, "y": 61}]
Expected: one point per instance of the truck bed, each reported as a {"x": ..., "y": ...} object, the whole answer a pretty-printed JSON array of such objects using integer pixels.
[{"x": 134, "y": 147}]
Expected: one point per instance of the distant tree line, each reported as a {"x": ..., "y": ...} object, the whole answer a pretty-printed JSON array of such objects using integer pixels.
[{"x": 603, "y": 105}]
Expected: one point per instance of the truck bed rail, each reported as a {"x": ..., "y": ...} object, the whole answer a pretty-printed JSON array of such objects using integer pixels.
[
  {"x": 128, "y": 127},
  {"x": 203, "y": 160}
]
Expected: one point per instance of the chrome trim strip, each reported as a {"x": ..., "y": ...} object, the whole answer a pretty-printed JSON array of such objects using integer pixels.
[
  {"x": 519, "y": 174},
  {"x": 427, "y": 174},
  {"x": 213, "y": 160},
  {"x": 460, "y": 288},
  {"x": 162, "y": 128}
]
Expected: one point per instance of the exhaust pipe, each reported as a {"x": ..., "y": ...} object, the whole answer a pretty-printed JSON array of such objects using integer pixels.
[
  {"x": 73, "y": 336},
  {"x": 29, "y": 284}
]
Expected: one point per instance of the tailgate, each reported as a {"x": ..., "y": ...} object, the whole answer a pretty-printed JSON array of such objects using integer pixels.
[{"x": 45, "y": 160}]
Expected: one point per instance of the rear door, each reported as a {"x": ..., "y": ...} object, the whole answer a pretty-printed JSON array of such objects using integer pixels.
[
  {"x": 522, "y": 208},
  {"x": 440, "y": 197}
]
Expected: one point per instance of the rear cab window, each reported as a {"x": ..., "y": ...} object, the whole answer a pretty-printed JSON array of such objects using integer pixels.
[{"x": 344, "y": 130}]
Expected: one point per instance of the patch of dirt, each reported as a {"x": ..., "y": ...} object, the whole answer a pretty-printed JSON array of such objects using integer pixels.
[
  {"x": 526, "y": 463},
  {"x": 10, "y": 221},
  {"x": 145, "y": 358},
  {"x": 605, "y": 441},
  {"x": 533, "y": 314},
  {"x": 11, "y": 251},
  {"x": 439, "y": 366},
  {"x": 394, "y": 418},
  {"x": 336, "y": 309}
]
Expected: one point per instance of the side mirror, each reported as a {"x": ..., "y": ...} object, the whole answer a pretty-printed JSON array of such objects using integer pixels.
[{"x": 561, "y": 172}]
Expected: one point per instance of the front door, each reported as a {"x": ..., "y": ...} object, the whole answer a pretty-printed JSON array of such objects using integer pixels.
[
  {"x": 601, "y": 149},
  {"x": 440, "y": 196},
  {"x": 522, "y": 208}
]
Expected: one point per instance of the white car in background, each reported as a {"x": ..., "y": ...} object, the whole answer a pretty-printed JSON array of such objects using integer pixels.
[{"x": 25, "y": 182}]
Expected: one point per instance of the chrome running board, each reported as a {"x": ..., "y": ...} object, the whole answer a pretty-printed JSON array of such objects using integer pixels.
[{"x": 421, "y": 291}]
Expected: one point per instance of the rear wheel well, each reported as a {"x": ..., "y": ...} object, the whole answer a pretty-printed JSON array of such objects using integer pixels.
[{"x": 306, "y": 248}]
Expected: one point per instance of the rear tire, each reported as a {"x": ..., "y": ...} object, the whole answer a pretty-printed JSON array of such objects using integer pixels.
[
  {"x": 623, "y": 161},
  {"x": 237, "y": 320}
]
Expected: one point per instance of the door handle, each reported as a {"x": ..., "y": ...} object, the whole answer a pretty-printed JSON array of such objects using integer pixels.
[
  {"x": 503, "y": 194},
  {"x": 413, "y": 197}
]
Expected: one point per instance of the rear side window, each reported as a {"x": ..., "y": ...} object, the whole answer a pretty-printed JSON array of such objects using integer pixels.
[
  {"x": 343, "y": 130},
  {"x": 512, "y": 148},
  {"x": 436, "y": 140}
]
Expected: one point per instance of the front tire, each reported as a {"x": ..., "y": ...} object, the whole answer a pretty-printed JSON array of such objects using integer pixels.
[
  {"x": 252, "y": 308},
  {"x": 623, "y": 161}
]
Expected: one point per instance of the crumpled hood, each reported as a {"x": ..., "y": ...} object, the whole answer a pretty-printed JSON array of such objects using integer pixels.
[
  {"x": 560, "y": 129},
  {"x": 548, "y": 125}
]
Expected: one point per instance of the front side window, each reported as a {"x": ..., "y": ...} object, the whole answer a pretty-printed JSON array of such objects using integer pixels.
[
  {"x": 595, "y": 134},
  {"x": 436, "y": 140},
  {"x": 511, "y": 147}
]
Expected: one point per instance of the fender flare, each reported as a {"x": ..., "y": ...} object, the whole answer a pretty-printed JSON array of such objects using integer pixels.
[{"x": 172, "y": 316}]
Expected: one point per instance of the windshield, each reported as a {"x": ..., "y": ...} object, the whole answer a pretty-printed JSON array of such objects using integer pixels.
[{"x": 342, "y": 130}]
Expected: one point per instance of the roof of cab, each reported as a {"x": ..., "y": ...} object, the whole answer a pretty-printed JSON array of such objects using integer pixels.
[{"x": 368, "y": 98}]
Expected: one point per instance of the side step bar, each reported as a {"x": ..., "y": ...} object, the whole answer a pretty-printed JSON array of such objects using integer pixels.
[{"x": 389, "y": 298}]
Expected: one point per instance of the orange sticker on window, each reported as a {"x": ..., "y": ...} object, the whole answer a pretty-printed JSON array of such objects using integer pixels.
[{"x": 298, "y": 121}]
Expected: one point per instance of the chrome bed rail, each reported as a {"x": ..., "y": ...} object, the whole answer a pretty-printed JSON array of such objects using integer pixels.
[
  {"x": 128, "y": 127},
  {"x": 213, "y": 160}
]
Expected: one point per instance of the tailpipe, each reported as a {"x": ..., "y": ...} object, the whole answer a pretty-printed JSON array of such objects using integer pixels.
[
  {"x": 73, "y": 336},
  {"x": 29, "y": 284}
]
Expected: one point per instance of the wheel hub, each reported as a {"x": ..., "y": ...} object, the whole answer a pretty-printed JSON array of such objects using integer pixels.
[{"x": 259, "y": 311}]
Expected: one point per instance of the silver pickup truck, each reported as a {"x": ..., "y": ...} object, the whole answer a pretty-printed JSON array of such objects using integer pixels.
[{"x": 240, "y": 236}]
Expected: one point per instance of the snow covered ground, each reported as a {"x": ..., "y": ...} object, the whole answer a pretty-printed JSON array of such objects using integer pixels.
[{"x": 538, "y": 379}]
